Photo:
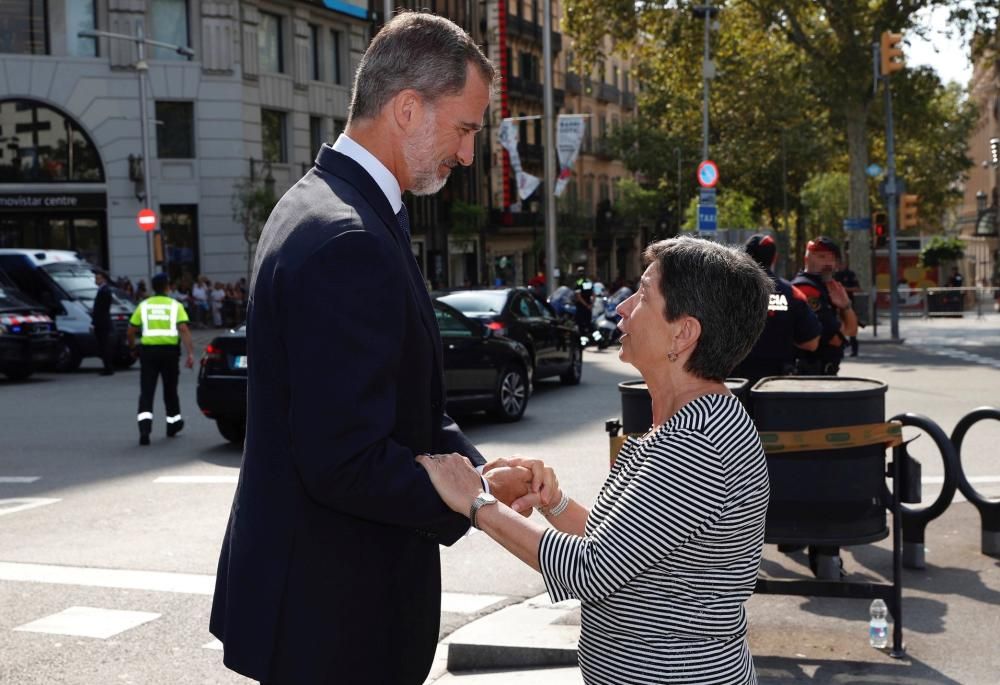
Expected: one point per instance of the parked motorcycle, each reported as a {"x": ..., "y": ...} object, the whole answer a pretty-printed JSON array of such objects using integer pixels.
[{"x": 606, "y": 319}]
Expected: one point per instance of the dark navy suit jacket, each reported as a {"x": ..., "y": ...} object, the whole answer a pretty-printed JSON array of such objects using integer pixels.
[{"x": 330, "y": 569}]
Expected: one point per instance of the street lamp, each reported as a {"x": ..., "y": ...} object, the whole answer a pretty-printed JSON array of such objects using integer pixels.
[
  {"x": 141, "y": 68},
  {"x": 707, "y": 12}
]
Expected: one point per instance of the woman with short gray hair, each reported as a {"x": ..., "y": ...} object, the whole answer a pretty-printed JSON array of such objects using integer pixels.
[{"x": 668, "y": 555}]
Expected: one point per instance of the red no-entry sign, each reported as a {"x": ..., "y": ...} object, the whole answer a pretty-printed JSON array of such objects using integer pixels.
[{"x": 146, "y": 218}]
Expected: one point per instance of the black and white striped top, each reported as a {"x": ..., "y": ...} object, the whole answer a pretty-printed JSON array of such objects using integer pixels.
[{"x": 670, "y": 554}]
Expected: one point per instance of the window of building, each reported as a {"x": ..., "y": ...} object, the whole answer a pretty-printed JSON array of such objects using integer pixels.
[
  {"x": 23, "y": 27},
  {"x": 522, "y": 128},
  {"x": 314, "y": 52},
  {"x": 179, "y": 224},
  {"x": 336, "y": 60},
  {"x": 175, "y": 130},
  {"x": 274, "y": 137},
  {"x": 316, "y": 139},
  {"x": 80, "y": 17},
  {"x": 270, "y": 44},
  {"x": 42, "y": 145},
  {"x": 538, "y": 132},
  {"x": 625, "y": 80},
  {"x": 168, "y": 23},
  {"x": 588, "y": 132},
  {"x": 614, "y": 76}
]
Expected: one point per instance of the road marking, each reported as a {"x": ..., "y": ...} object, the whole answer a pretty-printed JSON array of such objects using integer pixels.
[
  {"x": 183, "y": 583},
  {"x": 14, "y": 505},
  {"x": 18, "y": 479},
  {"x": 961, "y": 355},
  {"x": 89, "y": 622},
  {"x": 156, "y": 581},
  {"x": 187, "y": 480}
]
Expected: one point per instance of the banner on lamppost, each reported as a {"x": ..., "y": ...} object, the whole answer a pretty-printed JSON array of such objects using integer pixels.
[
  {"x": 569, "y": 135},
  {"x": 526, "y": 183}
]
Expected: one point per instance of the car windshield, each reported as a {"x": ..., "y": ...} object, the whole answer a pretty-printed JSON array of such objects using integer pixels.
[
  {"x": 477, "y": 301},
  {"x": 10, "y": 299},
  {"x": 75, "y": 279}
]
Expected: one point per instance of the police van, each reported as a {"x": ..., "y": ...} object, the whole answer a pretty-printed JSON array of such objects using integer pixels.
[{"x": 63, "y": 282}]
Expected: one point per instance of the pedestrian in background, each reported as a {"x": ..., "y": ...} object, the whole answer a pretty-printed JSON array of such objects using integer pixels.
[
  {"x": 100, "y": 317},
  {"x": 791, "y": 324},
  {"x": 584, "y": 301},
  {"x": 330, "y": 568},
  {"x": 162, "y": 323}
]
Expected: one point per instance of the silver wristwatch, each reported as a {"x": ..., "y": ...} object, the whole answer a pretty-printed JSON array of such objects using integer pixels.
[{"x": 481, "y": 501}]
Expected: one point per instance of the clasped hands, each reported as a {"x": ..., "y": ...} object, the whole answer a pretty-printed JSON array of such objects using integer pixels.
[{"x": 518, "y": 482}]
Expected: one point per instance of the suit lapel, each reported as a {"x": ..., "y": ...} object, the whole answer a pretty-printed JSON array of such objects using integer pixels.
[{"x": 344, "y": 167}]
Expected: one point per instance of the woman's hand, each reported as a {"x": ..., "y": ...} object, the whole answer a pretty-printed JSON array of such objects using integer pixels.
[
  {"x": 454, "y": 478},
  {"x": 547, "y": 492}
]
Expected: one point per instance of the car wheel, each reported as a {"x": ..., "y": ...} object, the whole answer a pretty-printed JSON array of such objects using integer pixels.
[
  {"x": 571, "y": 376},
  {"x": 18, "y": 373},
  {"x": 69, "y": 356},
  {"x": 510, "y": 398},
  {"x": 232, "y": 430}
]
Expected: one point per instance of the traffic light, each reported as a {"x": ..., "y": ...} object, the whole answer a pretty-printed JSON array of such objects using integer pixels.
[
  {"x": 880, "y": 229},
  {"x": 908, "y": 211},
  {"x": 890, "y": 50}
]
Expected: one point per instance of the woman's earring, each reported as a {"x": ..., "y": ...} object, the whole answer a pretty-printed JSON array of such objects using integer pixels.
[{"x": 672, "y": 356}]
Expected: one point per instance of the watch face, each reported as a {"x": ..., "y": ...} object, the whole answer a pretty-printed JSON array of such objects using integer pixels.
[{"x": 487, "y": 498}]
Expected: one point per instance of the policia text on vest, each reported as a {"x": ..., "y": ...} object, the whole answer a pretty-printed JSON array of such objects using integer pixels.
[{"x": 162, "y": 322}]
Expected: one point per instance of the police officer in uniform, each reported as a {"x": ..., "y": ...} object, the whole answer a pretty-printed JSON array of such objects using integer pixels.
[
  {"x": 162, "y": 322},
  {"x": 832, "y": 305},
  {"x": 791, "y": 324},
  {"x": 100, "y": 316},
  {"x": 584, "y": 302}
]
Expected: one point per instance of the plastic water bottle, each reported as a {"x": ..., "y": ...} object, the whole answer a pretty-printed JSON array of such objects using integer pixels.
[{"x": 878, "y": 628}]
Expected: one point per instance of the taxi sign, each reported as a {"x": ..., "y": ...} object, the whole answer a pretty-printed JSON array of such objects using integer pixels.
[
  {"x": 708, "y": 174},
  {"x": 146, "y": 218}
]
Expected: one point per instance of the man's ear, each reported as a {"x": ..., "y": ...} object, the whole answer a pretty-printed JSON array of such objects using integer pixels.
[{"x": 407, "y": 107}]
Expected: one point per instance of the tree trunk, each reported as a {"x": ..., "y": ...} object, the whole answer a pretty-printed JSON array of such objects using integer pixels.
[{"x": 860, "y": 257}]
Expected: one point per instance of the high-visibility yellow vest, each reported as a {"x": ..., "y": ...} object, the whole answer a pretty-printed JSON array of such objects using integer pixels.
[{"x": 158, "y": 317}]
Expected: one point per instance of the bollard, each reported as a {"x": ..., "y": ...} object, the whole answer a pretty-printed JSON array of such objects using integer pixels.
[
  {"x": 989, "y": 511},
  {"x": 915, "y": 520}
]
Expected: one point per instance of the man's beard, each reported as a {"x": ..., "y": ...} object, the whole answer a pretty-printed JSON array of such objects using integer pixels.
[{"x": 418, "y": 151}]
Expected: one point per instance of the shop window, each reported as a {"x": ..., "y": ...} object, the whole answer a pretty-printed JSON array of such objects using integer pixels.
[
  {"x": 169, "y": 23},
  {"x": 23, "y": 27},
  {"x": 179, "y": 224},
  {"x": 80, "y": 17},
  {"x": 39, "y": 144},
  {"x": 175, "y": 130},
  {"x": 270, "y": 44},
  {"x": 273, "y": 135}
]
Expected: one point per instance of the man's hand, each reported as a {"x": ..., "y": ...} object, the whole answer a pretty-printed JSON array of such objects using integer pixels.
[
  {"x": 189, "y": 362},
  {"x": 454, "y": 478},
  {"x": 543, "y": 488},
  {"x": 838, "y": 296}
]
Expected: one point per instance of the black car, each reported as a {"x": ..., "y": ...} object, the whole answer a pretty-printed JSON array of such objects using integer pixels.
[
  {"x": 483, "y": 371},
  {"x": 516, "y": 313},
  {"x": 28, "y": 336}
]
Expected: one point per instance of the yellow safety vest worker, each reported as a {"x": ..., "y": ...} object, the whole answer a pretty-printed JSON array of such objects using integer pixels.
[{"x": 158, "y": 317}]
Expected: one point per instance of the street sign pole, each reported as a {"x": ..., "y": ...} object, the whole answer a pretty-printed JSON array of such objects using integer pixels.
[
  {"x": 891, "y": 194},
  {"x": 141, "y": 69},
  {"x": 549, "y": 148}
]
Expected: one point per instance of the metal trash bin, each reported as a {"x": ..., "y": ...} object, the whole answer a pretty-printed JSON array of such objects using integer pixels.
[
  {"x": 637, "y": 407},
  {"x": 832, "y": 496}
]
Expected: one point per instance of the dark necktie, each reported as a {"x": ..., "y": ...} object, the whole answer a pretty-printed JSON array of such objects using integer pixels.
[{"x": 403, "y": 219}]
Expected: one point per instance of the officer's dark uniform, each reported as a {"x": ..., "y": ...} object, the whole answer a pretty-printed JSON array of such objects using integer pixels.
[
  {"x": 101, "y": 318},
  {"x": 849, "y": 280},
  {"x": 789, "y": 321},
  {"x": 584, "y": 315},
  {"x": 825, "y": 361}
]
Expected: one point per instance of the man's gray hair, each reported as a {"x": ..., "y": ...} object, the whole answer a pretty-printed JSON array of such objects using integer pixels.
[
  {"x": 720, "y": 286},
  {"x": 419, "y": 51}
]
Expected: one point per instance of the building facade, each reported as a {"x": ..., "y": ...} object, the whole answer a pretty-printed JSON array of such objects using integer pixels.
[{"x": 269, "y": 81}]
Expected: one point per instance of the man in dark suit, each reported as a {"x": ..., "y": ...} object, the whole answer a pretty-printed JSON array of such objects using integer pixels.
[
  {"x": 100, "y": 317},
  {"x": 330, "y": 568}
]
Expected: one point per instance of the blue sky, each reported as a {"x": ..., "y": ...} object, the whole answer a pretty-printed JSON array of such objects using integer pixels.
[{"x": 946, "y": 54}]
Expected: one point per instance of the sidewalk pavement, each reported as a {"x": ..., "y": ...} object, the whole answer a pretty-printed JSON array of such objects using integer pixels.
[
  {"x": 970, "y": 330},
  {"x": 951, "y": 617}
]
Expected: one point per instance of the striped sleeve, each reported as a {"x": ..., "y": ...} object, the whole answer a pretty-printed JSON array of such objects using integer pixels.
[{"x": 676, "y": 492}]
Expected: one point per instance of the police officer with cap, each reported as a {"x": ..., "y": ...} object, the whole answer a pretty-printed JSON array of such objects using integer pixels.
[
  {"x": 162, "y": 322},
  {"x": 832, "y": 305},
  {"x": 791, "y": 324}
]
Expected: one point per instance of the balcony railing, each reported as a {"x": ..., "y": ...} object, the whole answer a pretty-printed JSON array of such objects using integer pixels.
[
  {"x": 607, "y": 93},
  {"x": 628, "y": 100},
  {"x": 532, "y": 32},
  {"x": 574, "y": 86}
]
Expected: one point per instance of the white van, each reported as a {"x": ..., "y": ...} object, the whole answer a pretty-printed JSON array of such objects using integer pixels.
[{"x": 64, "y": 283}]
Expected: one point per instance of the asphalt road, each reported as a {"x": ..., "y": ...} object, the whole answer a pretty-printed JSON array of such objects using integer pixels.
[{"x": 91, "y": 521}]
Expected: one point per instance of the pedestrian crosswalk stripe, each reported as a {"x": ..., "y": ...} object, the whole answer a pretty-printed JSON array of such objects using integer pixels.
[
  {"x": 187, "y": 480},
  {"x": 16, "y": 504},
  {"x": 182, "y": 583},
  {"x": 18, "y": 479},
  {"x": 88, "y": 622}
]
